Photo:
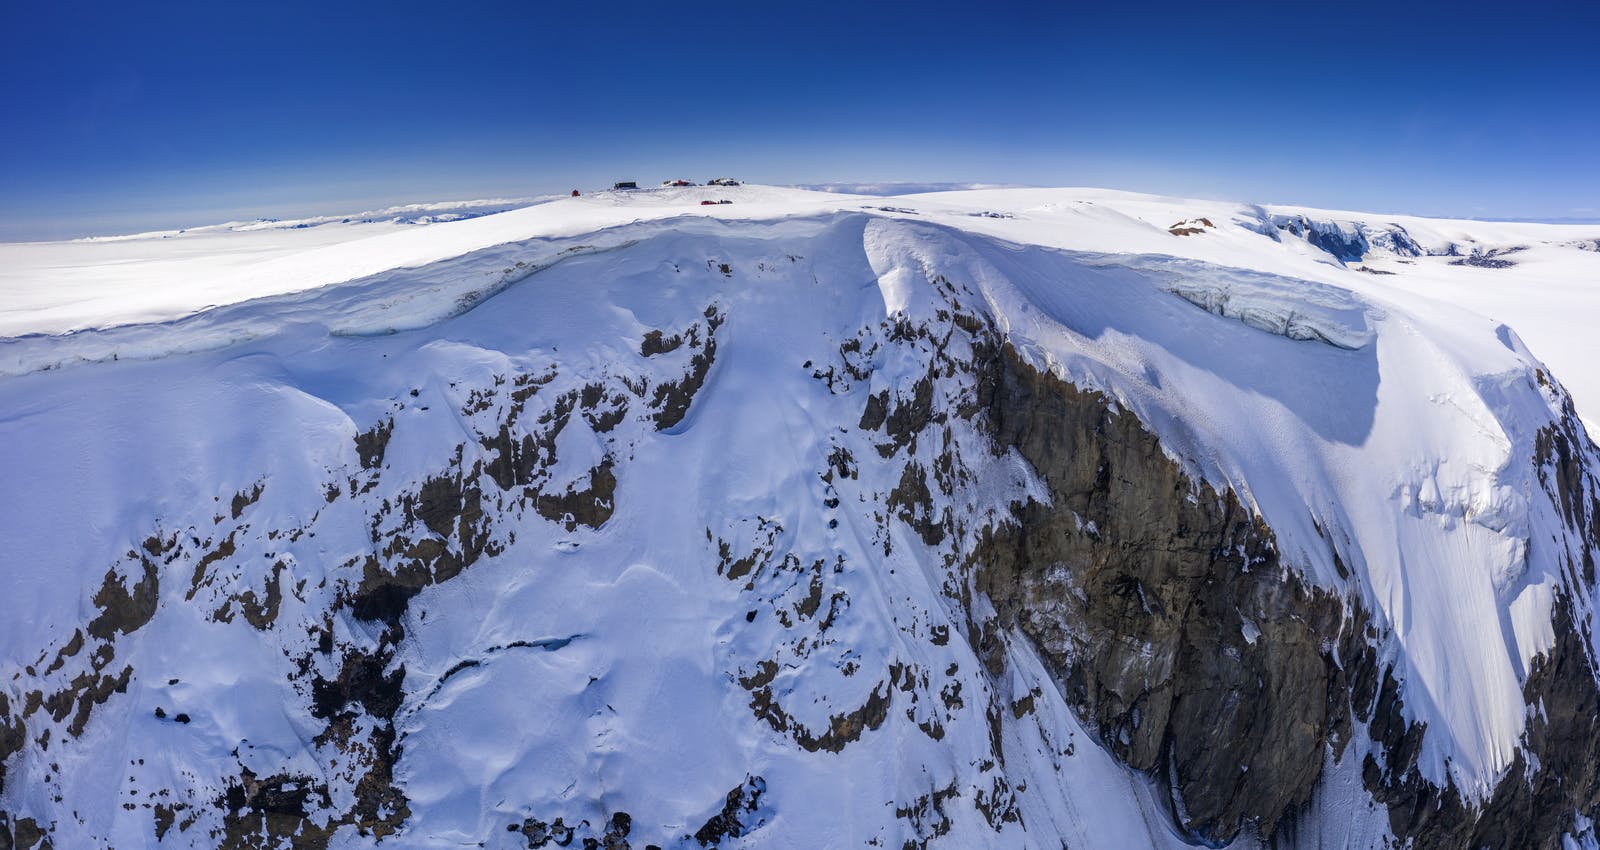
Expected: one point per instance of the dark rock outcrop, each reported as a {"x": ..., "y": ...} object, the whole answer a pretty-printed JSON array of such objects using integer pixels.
[
  {"x": 1196, "y": 655},
  {"x": 1162, "y": 607}
]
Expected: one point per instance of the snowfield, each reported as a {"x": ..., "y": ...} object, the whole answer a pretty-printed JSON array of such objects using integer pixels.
[
  {"x": 55, "y": 288},
  {"x": 702, "y": 592}
]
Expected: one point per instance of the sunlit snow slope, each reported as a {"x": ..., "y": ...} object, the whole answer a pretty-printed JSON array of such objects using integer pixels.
[{"x": 993, "y": 517}]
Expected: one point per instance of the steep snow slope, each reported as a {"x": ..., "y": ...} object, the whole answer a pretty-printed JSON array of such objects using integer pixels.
[{"x": 752, "y": 525}]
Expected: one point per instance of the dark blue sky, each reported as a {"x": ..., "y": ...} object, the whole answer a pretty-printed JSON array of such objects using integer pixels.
[{"x": 124, "y": 116}]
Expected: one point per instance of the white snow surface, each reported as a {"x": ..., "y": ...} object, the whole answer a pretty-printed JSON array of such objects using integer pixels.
[
  {"x": 145, "y": 381},
  {"x": 1549, "y": 299}
]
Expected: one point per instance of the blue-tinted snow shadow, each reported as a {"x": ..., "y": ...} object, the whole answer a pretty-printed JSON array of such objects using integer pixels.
[{"x": 1333, "y": 390}]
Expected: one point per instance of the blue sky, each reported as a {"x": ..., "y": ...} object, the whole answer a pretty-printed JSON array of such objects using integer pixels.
[{"x": 126, "y": 116}]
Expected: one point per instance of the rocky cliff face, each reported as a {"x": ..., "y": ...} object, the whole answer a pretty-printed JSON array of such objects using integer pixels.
[
  {"x": 1164, "y": 609},
  {"x": 1177, "y": 632},
  {"x": 1197, "y": 655}
]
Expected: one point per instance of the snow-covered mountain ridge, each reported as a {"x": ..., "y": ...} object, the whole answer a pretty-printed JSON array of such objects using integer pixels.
[{"x": 1008, "y": 517}]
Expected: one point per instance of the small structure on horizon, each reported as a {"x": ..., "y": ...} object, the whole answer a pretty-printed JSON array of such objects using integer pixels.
[
  {"x": 676, "y": 183},
  {"x": 625, "y": 184},
  {"x": 574, "y": 193},
  {"x": 722, "y": 181}
]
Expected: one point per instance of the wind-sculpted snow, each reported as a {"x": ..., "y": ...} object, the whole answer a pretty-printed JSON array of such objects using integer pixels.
[
  {"x": 1299, "y": 310},
  {"x": 383, "y": 304},
  {"x": 693, "y": 532}
]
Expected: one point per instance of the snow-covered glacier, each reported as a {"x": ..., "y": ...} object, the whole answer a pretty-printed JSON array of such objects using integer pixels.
[{"x": 1014, "y": 518}]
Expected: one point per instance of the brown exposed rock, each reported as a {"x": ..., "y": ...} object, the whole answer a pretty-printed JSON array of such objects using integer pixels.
[
  {"x": 224, "y": 550},
  {"x": 877, "y": 411},
  {"x": 244, "y": 499},
  {"x": 13, "y": 735},
  {"x": 843, "y": 729},
  {"x": 23, "y": 834},
  {"x": 87, "y": 690},
  {"x": 165, "y": 816},
  {"x": 371, "y": 444},
  {"x": 908, "y": 416},
  {"x": 1190, "y": 227},
  {"x": 913, "y": 504},
  {"x": 738, "y": 815},
  {"x": 540, "y": 834},
  {"x": 122, "y": 610},
  {"x": 603, "y": 412},
  {"x": 591, "y": 506},
  {"x": 672, "y": 399},
  {"x": 519, "y": 457},
  {"x": 271, "y": 812},
  {"x": 1162, "y": 607},
  {"x": 364, "y": 684},
  {"x": 73, "y": 647},
  {"x": 656, "y": 343},
  {"x": 262, "y": 613},
  {"x": 926, "y": 816}
]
